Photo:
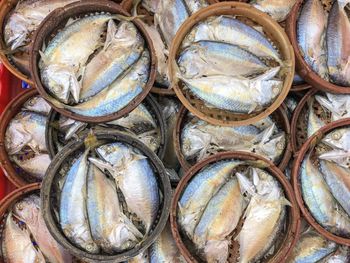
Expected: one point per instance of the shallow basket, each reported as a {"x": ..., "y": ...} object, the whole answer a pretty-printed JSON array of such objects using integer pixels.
[
  {"x": 6, "y": 7},
  {"x": 15, "y": 174},
  {"x": 151, "y": 104},
  {"x": 303, "y": 69},
  {"x": 288, "y": 241},
  {"x": 308, "y": 145},
  {"x": 280, "y": 116},
  {"x": 57, "y": 20},
  {"x": 54, "y": 176},
  {"x": 299, "y": 121},
  {"x": 251, "y": 16},
  {"x": 300, "y": 87}
]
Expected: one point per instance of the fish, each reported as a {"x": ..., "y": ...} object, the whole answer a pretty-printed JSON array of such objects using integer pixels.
[
  {"x": 230, "y": 30},
  {"x": 26, "y": 18},
  {"x": 341, "y": 255},
  {"x": 218, "y": 221},
  {"x": 277, "y": 9},
  {"x": 311, "y": 247},
  {"x": 119, "y": 93},
  {"x": 311, "y": 31},
  {"x": 234, "y": 93},
  {"x": 139, "y": 117},
  {"x": 338, "y": 181},
  {"x": 72, "y": 211},
  {"x": 200, "y": 191},
  {"x": 140, "y": 190},
  {"x": 38, "y": 105},
  {"x": 340, "y": 157},
  {"x": 338, "y": 38},
  {"x": 195, "y": 5},
  {"x": 17, "y": 245},
  {"x": 337, "y": 104},
  {"x": 274, "y": 148},
  {"x": 164, "y": 249},
  {"x": 338, "y": 139},
  {"x": 264, "y": 216},
  {"x": 314, "y": 122},
  {"x": 170, "y": 108},
  {"x": 62, "y": 63},
  {"x": 320, "y": 201},
  {"x": 26, "y": 129},
  {"x": 28, "y": 211},
  {"x": 140, "y": 258},
  {"x": 111, "y": 230},
  {"x": 208, "y": 58},
  {"x": 169, "y": 16},
  {"x": 123, "y": 47},
  {"x": 36, "y": 166},
  {"x": 150, "y": 5}
]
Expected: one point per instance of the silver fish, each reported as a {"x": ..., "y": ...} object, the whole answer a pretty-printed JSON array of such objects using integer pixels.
[
  {"x": 338, "y": 139},
  {"x": 311, "y": 247},
  {"x": 338, "y": 180},
  {"x": 17, "y": 245},
  {"x": 37, "y": 104},
  {"x": 123, "y": 47},
  {"x": 200, "y": 191},
  {"x": 340, "y": 157},
  {"x": 234, "y": 93},
  {"x": 75, "y": 128},
  {"x": 35, "y": 166},
  {"x": 274, "y": 148},
  {"x": 169, "y": 16},
  {"x": 164, "y": 249},
  {"x": 195, "y": 5},
  {"x": 62, "y": 62},
  {"x": 341, "y": 255},
  {"x": 337, "y": 104},
  {"x": 338, "y": 38},
  {"x": 28, "y": 211},
  {"x": 321, "y": 203},
  {"x": 264, "y": 217},
  {"x": 141, "y": 189},
  {"x": 311, "y": 29},
  {"x": 230, "y": 30},
  {"x": 207, "y": 58},
  {"x": 219, "y": 219},
  {"x": 314, "y": 122},
  {"x": 110, "y": 228},
  {"x": 119, "y": 93},
  {"x": 277, "y": 9},
  {"x": 26, "y": 128},
  {"x": 72, "y": 211},
  {"x": 25, "y": 19},
  {"x": 140, "y": 258}
]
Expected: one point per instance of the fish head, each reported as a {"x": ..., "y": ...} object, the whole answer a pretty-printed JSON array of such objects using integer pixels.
[
  {"x": 339, "y": 138},
  {"x": 16, "y": 137},
  {"x": 16, "y": 31},
  {"x": 27, "y": 209}
]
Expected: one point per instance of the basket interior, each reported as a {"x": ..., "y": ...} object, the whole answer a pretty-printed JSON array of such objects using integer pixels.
[
  {"x": 282, "y": 240},
  {"x": 58, "y": 181}
]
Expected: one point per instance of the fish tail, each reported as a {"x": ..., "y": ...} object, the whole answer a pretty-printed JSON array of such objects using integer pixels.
[{"x": 131, "y": 226}]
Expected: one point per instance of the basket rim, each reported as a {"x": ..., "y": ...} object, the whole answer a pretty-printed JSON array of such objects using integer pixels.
[
  {"x": 295, "y": 118},
  {"x": 303, "y": 69},
  {"x": 294, "y": 229},
  {"x": 181, "y": 115},
  {"x": 12, "y": 108},
  {"x": 149, "y": 100},
  {"x": 236, "y": 8},
  {"x": 46, "y": 199},
  {"x": 296, "y": 182},
  {"x": 46, "y": 28}
]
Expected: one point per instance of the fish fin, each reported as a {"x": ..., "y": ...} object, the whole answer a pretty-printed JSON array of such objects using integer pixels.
[
  {"x": 267, "y": 133},
  {"x": 44, "y": 57},
  {"x": 101, "y": 164},
  {"x": 111, "y": 31},
  {"x": 245, "y": 185},
  {"x": 253, "y": 106},
  {"x": 75, "y": 88},
  {"x": 131, "y": 226},
  {"x": 70, "y": 21},
  {"x": 267, "y": 75}
]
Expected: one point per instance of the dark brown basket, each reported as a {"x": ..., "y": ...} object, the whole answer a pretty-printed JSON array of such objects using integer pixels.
[
  {"x": 150, "y": 103},
  {"x": 308, "y": 145},
  {"x": 12, "y": 172},
  {"x": 251, "y": 16},
  {"x": 299, "y": 120},
  {"x": 293, "y": 226},
  {"x": 279, "y": 115},
  {"x": 56, "y": 20},
  {"x": 5, "y": 8},
  {"x": 50, "y": 193},
  {"x": 300, "y": 87},
  {"x": 303, "y": 69}
]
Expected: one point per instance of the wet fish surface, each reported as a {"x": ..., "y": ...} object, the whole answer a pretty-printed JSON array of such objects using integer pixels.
[{"x": 277, "y": 9}]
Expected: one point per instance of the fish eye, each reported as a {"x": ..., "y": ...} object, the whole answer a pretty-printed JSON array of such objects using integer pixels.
[
  {"x": 280, "y": 146},
  {"x": 336, "y": 136},
  {"x": 19, "y": 206}
]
